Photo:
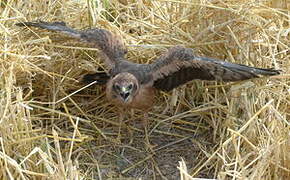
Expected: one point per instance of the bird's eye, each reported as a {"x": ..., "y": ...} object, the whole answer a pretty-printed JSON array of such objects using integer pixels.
[
  {"x": 117, "y": 87},
  {"x": 130, "y": 86}
]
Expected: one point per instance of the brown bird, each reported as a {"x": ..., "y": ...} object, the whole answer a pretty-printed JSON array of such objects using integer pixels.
[{"x": 132, "y": 85}]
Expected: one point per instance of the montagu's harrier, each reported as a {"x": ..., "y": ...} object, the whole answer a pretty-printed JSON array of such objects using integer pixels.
[{"x": 133, "y": 85}]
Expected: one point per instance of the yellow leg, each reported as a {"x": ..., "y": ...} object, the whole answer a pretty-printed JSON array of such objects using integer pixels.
[
  {"x": 145, "y": 124},
  {"x": 121, "y": 119}
]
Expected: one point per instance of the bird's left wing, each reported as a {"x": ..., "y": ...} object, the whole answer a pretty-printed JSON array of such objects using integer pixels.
[
  {"x": 104, "y": 40},
  {"x": 179, "y": 66}
]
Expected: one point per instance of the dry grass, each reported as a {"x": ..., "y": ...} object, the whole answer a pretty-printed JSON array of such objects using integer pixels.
[{"x": 225, "y": 131}]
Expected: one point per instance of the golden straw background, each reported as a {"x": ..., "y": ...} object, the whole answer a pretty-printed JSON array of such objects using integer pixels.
[{"x": 208, "y": 130}]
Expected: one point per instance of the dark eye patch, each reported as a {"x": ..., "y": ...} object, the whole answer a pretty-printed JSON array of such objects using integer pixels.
[
  {"x": 117, "y": 87},
  {"x": 130, "y": 86}
]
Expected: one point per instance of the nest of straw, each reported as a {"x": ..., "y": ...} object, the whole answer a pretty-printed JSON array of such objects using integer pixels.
[{"x": 203, "y": 129}]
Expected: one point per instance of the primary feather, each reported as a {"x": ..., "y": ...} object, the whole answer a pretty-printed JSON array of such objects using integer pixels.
[{"x": 179, "y": 65}]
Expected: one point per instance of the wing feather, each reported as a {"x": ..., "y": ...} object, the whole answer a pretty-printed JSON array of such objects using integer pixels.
[
  {"x": 104, "y": 40},
  {"x": 179, "y": 65},
  {"x": 101, "y": 78}
]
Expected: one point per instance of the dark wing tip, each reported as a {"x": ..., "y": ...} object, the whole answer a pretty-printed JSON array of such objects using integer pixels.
[
  {"x": 272, "y": 71},
  {"x": 21, "y": 24},
  {"x": 38, "y": 23},
  {"x": 241, "y": 67},
  {"x": 264, "y": 72}
]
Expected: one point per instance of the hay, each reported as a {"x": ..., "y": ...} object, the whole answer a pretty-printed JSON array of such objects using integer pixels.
[{"x": 225, "y": 131}]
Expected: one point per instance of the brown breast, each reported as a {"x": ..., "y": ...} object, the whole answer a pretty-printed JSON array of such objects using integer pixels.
[{"x": 143, "y": 100}]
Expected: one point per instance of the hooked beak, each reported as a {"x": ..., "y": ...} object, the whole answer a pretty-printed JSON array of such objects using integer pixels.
[{"x": 124, "y": 93}]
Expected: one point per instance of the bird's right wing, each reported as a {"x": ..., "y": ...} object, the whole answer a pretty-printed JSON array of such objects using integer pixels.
[
  {"x": 179, "y": 65},
  {"x": 108, "y": 43}
]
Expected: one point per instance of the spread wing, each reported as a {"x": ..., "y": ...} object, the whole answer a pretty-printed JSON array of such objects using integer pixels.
[
  {"x": 179, "y": 66},
  {"x": 104, "y": 40}
]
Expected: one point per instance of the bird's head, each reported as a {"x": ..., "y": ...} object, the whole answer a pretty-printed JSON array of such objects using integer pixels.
[{"x": 124, "y": 87}]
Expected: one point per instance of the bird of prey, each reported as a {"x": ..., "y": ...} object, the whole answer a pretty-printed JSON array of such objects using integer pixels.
[{"x": 133, "y": 85}]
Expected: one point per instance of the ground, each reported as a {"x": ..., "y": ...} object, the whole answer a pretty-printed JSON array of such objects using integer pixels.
[{"x": 51, "y": 128}]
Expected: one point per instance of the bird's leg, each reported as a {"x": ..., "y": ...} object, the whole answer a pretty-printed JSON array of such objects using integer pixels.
[
  {"x": 145, "y": 125},
  {"x": 121, "y": 120},
  {"x": 121, "y": 124}
]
